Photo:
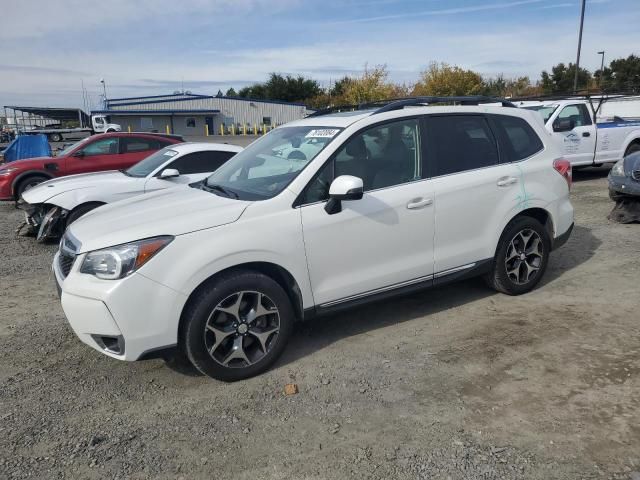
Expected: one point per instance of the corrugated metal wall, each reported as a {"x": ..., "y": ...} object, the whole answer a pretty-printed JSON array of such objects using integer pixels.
[{"x": 231, "y": 110}]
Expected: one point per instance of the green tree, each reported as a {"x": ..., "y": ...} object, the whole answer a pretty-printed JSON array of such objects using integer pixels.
[
  {"x": 561, "y": 79},
  {"x": 231, "y": 93},
  {"x": 446, "y": 80},
  {"x": 283, "y": 88},
  {"x": 622, "y": 74}
]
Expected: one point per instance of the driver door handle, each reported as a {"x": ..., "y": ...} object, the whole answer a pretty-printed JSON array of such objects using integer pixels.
[
  {"x": 506, "y": 181},
  {"x": 420, "y": 202}
]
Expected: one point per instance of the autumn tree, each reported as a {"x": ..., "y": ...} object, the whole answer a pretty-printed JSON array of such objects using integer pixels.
[{"x": 441, "y": 79}]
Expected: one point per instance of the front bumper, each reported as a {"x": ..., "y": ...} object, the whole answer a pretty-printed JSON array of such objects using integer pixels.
[
  {"x": 624, "y": 186},
  {"x": 47, "y": 221},
  {"x": 124, "y": 319}
]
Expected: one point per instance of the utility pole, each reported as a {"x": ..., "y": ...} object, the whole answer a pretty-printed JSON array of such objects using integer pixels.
[
  {"x": 601, "y": 69},
  {"x": 104, "y": 92},
  {"x": 575, "y": 79}
]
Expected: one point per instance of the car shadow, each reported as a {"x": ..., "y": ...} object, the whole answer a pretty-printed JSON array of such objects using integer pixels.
[{"x": 318, "y": 333}]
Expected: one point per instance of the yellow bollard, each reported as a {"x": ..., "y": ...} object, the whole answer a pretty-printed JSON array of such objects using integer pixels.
[
  {"x": 129, "y": 128},
  {"x": 168, "y": 130},
  {"x": 206, "y": 130},
  {"x": 255, "y": 129},
  {"x": 233, "y": 129},
  {"x": 244, "y": 129},
  {"x": 264, "y": 129},
  {"x": 222, "y": 130}
]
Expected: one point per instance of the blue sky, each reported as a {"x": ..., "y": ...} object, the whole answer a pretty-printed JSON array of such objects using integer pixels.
[{"x": 150, "y": 47}]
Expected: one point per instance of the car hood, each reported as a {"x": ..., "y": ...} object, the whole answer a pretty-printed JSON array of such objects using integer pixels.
[
  {"x": 175, "y": 211},
  {"x": 28, "y": 163},
  {"x": 46, "y": 190}
]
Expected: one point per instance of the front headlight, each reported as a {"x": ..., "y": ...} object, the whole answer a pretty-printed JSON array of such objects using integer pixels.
[
  {"x": 7, "y": 171},
  {"x": 618, "y": 169},
  {"x": 117, "y": 262}
]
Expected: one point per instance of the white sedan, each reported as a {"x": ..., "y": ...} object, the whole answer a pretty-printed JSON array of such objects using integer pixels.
[{"x": 53, "y": 205}]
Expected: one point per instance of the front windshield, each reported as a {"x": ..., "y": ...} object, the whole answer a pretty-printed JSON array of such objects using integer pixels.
[
  {"x": 268, "y": 165},
  {"x": 67, "y": 150},
  {"x": 545, "y": 110},
  {"x": 146, "y": 166}
]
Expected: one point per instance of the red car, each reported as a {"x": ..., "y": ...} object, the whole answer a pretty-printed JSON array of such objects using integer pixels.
[{"x": 108, "y": 151}]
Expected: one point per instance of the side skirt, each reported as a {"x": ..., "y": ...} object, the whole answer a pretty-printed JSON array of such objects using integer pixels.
[{"x": 442, "y": 278}]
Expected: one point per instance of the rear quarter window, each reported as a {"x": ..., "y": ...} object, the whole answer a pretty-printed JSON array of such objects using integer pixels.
[{"x": 517, "y": 139}]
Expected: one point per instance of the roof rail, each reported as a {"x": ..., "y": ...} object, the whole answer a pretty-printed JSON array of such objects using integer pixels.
[
  {"x": 463, "y": 100},
  {"x": 391, "y": 104}
]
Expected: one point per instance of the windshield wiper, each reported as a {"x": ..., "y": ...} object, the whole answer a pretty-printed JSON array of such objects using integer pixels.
[
  {"x": 122, "y": 170},
  {"x": 219, "y": 188}
]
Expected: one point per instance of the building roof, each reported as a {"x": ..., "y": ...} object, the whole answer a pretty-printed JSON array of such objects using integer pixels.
[
  {"x": 60, "y": 114},
  {"x": 148, "y": 113},
  {"x": 185, "y": 97}
]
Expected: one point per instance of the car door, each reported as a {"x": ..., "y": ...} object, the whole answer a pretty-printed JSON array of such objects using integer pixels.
[
  {"x": 579, "y": 144},
  {"x": 472, "y": 188},
  {"x": 192, "y": 167},
  {"x": 96, "y": 155},
  {"x": 382, "y": 241}
]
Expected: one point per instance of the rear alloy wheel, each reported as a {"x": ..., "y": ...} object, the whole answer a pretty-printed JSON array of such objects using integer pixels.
[
  {"x": 55, "y": 137},
  {"x": 521, "y": 258},
  {"x": 238, "y": 327}
]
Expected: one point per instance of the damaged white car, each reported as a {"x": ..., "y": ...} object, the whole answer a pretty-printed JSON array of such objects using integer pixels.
[{"x": 53, "y": 205}]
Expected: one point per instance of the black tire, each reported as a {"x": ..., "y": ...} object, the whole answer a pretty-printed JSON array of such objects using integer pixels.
[
  {"x": 55, "y": 137},
  {"x": 196, "y": 339},
  {"x": 29, "y": 182},
  {"x": 499, "y": 277},
  {"x": 633, "y": 148},
  {"x": 77, "y": 212}
]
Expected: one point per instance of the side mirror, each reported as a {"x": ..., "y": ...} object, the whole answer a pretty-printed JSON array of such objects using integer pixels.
[
  {"x": 169, "y": 173},
  {"x": 564, "y": 125},
  {"x": 79, "y": 154},
  {"x": 345, "y": 187}
]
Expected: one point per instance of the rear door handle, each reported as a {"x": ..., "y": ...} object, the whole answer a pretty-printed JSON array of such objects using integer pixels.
[
  {"x": 506, "y": 181},
  {"x": 419, "y": 203}
]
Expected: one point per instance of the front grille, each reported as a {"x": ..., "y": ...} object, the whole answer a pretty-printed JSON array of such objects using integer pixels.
[{"x": 65, "y": 261}]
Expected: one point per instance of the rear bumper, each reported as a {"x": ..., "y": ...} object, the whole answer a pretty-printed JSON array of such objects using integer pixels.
[{"x": 560, "y": 240}]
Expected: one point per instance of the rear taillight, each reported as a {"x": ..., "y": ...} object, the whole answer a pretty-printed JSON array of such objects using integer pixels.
[{"x": 563, "y": 167}]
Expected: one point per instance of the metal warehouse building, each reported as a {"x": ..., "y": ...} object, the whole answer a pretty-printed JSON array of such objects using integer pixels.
[{"x": 191, "y": 114}]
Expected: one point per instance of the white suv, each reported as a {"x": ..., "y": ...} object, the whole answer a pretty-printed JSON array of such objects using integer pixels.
[{"x": 320, "y": 214}]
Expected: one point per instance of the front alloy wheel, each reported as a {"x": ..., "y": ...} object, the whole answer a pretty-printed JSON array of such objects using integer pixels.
[
  {"x": 236, "y": 326},
  {"x": 242, "y": 329}
]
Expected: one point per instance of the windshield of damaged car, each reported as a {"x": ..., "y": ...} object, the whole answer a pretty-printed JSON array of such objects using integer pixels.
[
  {"x": 151, "y": 163},
  {"x": 545, "y": 110},
  {"x": 268, "y": 165}
]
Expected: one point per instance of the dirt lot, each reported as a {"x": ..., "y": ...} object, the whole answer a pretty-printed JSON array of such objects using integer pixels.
[{"x": 457, "y": 383}]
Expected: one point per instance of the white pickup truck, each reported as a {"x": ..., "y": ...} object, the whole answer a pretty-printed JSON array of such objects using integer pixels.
[{"x": 585, "y": 138}]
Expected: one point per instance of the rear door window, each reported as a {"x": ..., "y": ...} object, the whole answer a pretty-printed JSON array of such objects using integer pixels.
[
  {"x": 459, "y": 143},
  {"x": 517, "y": 139},
  {"x": 133, "y": 145}
]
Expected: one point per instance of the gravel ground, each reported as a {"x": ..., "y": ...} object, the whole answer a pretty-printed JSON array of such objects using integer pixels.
[{"x": 452, "y": 383}]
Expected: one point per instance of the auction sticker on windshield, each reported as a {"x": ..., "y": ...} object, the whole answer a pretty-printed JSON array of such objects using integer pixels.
[{"x": 322, "y": 133}]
